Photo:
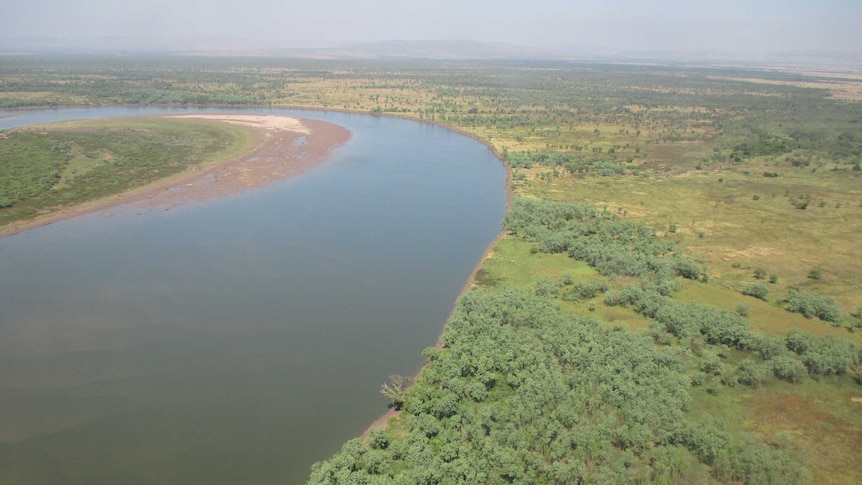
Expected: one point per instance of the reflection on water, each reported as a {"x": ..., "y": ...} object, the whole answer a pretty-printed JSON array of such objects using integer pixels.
[{"x": 239, "y": 340}]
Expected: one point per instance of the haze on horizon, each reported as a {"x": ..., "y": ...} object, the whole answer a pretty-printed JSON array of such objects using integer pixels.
[{"x": 734, "y": 26}]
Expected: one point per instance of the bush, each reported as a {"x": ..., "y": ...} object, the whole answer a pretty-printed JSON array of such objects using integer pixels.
[
  {"x": 787, "y": 368},
  {"x": 751, "y": 374},
  {"x": 377, "y": 438},
  {"x": 710, "y": 363},
  {"x": 585, "y": 290},
  {"x": 757, "y": 290},
  {"x": 799, "y": 341},
  {"x": 830, "y": 355},
  {"x": 822, "y": 307},
  {"x": 687, "y": 268},
  {"x": 771, "y": 347},
  {"x": 856, "y": 318}
]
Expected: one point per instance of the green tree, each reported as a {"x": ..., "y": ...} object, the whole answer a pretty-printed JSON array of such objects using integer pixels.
[{"x": 395, "y": 390}]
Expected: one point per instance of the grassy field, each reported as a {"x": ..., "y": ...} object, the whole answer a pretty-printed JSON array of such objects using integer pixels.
[
  {"x": 755, "y": 174},
  {"x": 825, "y": 428},
  {"x": 734, "y": 220},
  {"x": 513, "y": 264},
  {"x": 50, "y": 167}
]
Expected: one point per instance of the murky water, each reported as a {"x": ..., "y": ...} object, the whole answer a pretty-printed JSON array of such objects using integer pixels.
[{"x": 239, "y": 340}]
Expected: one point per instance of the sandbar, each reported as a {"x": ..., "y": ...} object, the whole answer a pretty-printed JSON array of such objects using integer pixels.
[{"x": 288, "y": 147}]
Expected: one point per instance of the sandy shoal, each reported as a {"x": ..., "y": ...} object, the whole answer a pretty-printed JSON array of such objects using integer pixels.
[{"x": 288, "y": 147}]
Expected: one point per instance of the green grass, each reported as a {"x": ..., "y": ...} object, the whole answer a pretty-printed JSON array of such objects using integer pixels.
[
  {"x": 721, "y": 224},
  {"x": 50, "y": 167},
  {"x": 764, "y": 317},
  {"x": 512, "y": 263},
  {"x": 821, "y": 419}
]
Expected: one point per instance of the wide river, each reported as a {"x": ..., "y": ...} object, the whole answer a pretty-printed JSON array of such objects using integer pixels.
[{"x": 242, "y": 339}]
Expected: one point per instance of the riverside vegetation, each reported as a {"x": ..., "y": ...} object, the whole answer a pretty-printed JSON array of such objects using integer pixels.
[
  {"x": 52, "y": 167},
  {"x": 676, "y": 297}
]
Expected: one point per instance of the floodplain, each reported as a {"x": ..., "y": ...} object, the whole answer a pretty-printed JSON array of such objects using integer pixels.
[{"x": 680, "y": 237}]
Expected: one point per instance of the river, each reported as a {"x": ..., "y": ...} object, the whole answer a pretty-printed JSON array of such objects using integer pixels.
[{"x": 242, "y": 339}]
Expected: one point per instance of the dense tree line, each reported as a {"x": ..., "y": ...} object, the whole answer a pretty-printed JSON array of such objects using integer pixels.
[
  {"x": 799, "y": 354},
  {"x": 614, "y": 247},
  {"x": 520, "y": 393}
]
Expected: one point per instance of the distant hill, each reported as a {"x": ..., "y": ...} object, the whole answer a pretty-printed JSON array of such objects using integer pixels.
[
  {"x": 396, "y": 49},
  {"x": 411, "y": 49},
  {"x": 456, "y": 49},
  {"x": 811, "y": 59}
]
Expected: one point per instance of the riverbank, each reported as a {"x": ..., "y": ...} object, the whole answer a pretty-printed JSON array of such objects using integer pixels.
[
  {"x": 392, "y": 413},
  {"x": 286, "y": 148}
]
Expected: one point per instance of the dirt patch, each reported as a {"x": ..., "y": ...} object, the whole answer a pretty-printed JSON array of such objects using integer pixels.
[
  {"x": 289, "y": 147},
  {"x": 382, "y": 420},
  {"x": 269, "y": 123}
]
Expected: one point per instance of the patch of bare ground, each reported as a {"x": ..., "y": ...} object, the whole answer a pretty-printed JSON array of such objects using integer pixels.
[{"x": 290, "y": 147}]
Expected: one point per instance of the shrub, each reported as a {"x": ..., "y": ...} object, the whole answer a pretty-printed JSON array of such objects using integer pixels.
[
  {"x": 377, "y": 438},
  {"x": 799, "y": 341},
  {"x": 751, "y": 374},
  {"x": 757, "y": 290},
  {"x": 856, "y": 318},
  {"x": 830, "y": 355},
  {"x": 710, "y": 363},
  {"x": 585, "y": 290},
  {"x": 822, "y": 307},
  {"x": 787, "y": 368}
]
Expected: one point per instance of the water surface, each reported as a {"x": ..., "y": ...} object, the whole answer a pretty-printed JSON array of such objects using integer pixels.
[{"x": 242, "y": 339}]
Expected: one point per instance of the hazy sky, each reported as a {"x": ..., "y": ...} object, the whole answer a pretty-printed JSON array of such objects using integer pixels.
[{"x": 706, "y": 25}]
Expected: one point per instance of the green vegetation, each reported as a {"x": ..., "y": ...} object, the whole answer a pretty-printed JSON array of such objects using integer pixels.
[
  {"x": 822, "y": 307},
  {"x": 527, "y": 395},
  {"x": 521, "y": 394},
  {"x": 45, "y": 168},
  {"x": 756, "y": 290},
  {"x": 650, "y": 313}
]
